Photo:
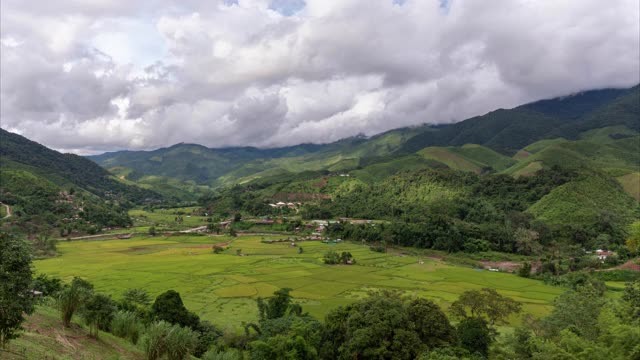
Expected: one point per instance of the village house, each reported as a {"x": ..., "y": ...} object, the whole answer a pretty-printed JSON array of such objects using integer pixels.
[{"x": 603, "y": 254}]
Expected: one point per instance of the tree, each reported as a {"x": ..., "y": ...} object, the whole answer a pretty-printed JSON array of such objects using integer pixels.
[
  {"x": 346, "y": 257},
  {"x": 237, "y": 217},
  {"x": 169, "y": 307},
  {"x": 384, "y": 326},
  {"x": 276, "y": 306},
  {"x": 152, "y": 230},
  {"x": 485, "y": 304},
  {"x": 527, "y": 241},
  {"x": 430, "y": 323},
  {"x": 136, "y": 296},
  {"x": 300, "y": 251},
  {"x": 632, "y": 297},
  {"x": 15, "y": 285},
  {"x": 72, "y": 297},
  {"x": 98, "y": 312},
  {"x": 525, "y": 269},
  {"x": 577, "y": 310},
  {"x": 213, "y": 227},
  {"x": 474, "y": 335},
  {"x": 331, "y": 258},
  {"x": 633, "y": 240}
]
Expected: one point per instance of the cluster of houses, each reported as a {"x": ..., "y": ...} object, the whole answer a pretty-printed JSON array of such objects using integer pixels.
[{"x": 281, "y": 204}]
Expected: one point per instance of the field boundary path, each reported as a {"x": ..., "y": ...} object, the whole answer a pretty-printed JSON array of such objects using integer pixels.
[{"x": 8, "y": 210}]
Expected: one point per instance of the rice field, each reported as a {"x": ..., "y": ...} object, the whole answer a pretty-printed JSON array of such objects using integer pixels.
[{"x": 222, "y": 288}]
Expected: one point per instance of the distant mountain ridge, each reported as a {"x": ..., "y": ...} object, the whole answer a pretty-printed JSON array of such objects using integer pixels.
[{"x": 503, "y": 131}]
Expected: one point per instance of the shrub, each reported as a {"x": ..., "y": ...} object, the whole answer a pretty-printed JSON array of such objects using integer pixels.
[
  {"x": 231, "y": 354},
  {"x": 525, "y": 270}
]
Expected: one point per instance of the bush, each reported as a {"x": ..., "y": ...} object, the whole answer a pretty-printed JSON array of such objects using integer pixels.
[
  {"x": 378, "y": 248},
  {"x": 525, "y": 269},
  {"x": 231, "y": 354},
  {"x": 218, "y": 249}
]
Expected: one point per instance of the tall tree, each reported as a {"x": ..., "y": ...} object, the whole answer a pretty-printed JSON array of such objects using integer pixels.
[
  {"x": 169, "y": 307},
  {"x": 16, "y": 299}
]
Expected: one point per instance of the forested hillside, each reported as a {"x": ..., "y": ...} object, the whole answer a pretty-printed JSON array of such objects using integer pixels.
[{"x": 47, "y": 189}]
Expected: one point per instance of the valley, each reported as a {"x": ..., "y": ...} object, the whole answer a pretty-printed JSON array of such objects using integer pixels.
[
  {"x": 519, "y": 224},
  {"x": 222, "y": 288}
]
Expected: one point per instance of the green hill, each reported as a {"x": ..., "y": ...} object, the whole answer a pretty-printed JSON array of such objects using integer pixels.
[
  {"x": 585, "y": 202},
  {"x": 47, "y": 189},
  {"x": 17, "y": 152}
]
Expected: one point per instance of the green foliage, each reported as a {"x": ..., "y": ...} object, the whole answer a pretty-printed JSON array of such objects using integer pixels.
[
  {"x": 15, "y": 286},
  {"x": 169, "y": 307},
  {"x": 276, "y": 306},
  {"x": 153, "y": 341},
  {"x": 578, "y": 311},
  {"x": 49, "y": 286},
  {"x": 632, "y": 297},
  {"x": 232, "y": 354},
  {"x": 126, "y": 325},
  {"x": 385, "y": 326},
  {"x": 136, "y": 296},
  {"x": 485, "y": 304},
  {"x": 98, "y": 312},
  {"x": 180, "y": 342},
  {"x": 72, "y": 297},
  {"x": 474, "y": 335}
]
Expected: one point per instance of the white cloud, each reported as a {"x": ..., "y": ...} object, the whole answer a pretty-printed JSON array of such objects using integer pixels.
[{"x": 103, "y": 75}]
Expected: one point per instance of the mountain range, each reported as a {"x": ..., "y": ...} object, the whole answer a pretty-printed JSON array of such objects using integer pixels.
[{"x": 596, "y": 128}]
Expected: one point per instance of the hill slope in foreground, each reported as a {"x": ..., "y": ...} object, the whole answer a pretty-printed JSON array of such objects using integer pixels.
[{"x": 44, "y": 337}]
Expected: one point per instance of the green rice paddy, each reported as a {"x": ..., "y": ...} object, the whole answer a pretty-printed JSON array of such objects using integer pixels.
[{"x": 222, "y": 288}]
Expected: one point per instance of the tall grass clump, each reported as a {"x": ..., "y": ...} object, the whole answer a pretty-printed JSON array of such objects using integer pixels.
[
  {"x": 180, "y": 342},
  {"x": 125, "y": 324},
  {"x": 154, "y": 340},
  {"x": 162, "y": 338}
]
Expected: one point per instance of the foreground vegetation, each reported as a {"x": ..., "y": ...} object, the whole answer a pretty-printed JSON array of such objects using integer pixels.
[{"x": 383, "y": 324}]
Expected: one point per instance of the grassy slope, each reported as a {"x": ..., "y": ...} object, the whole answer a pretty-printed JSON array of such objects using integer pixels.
[
  {"x": 222, "y": 288},
  {"x": 596, "y": 150},
  {"x": 45, "y": 338},
  {"x": 631, "y": 184},
  {"x": 469, "y": 157}
]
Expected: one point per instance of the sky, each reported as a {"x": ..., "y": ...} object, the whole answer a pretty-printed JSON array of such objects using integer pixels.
[{"x": 93, "y": 76}]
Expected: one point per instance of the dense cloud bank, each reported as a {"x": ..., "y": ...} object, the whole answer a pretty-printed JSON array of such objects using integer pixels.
[{"x": 102, "y": 75}]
